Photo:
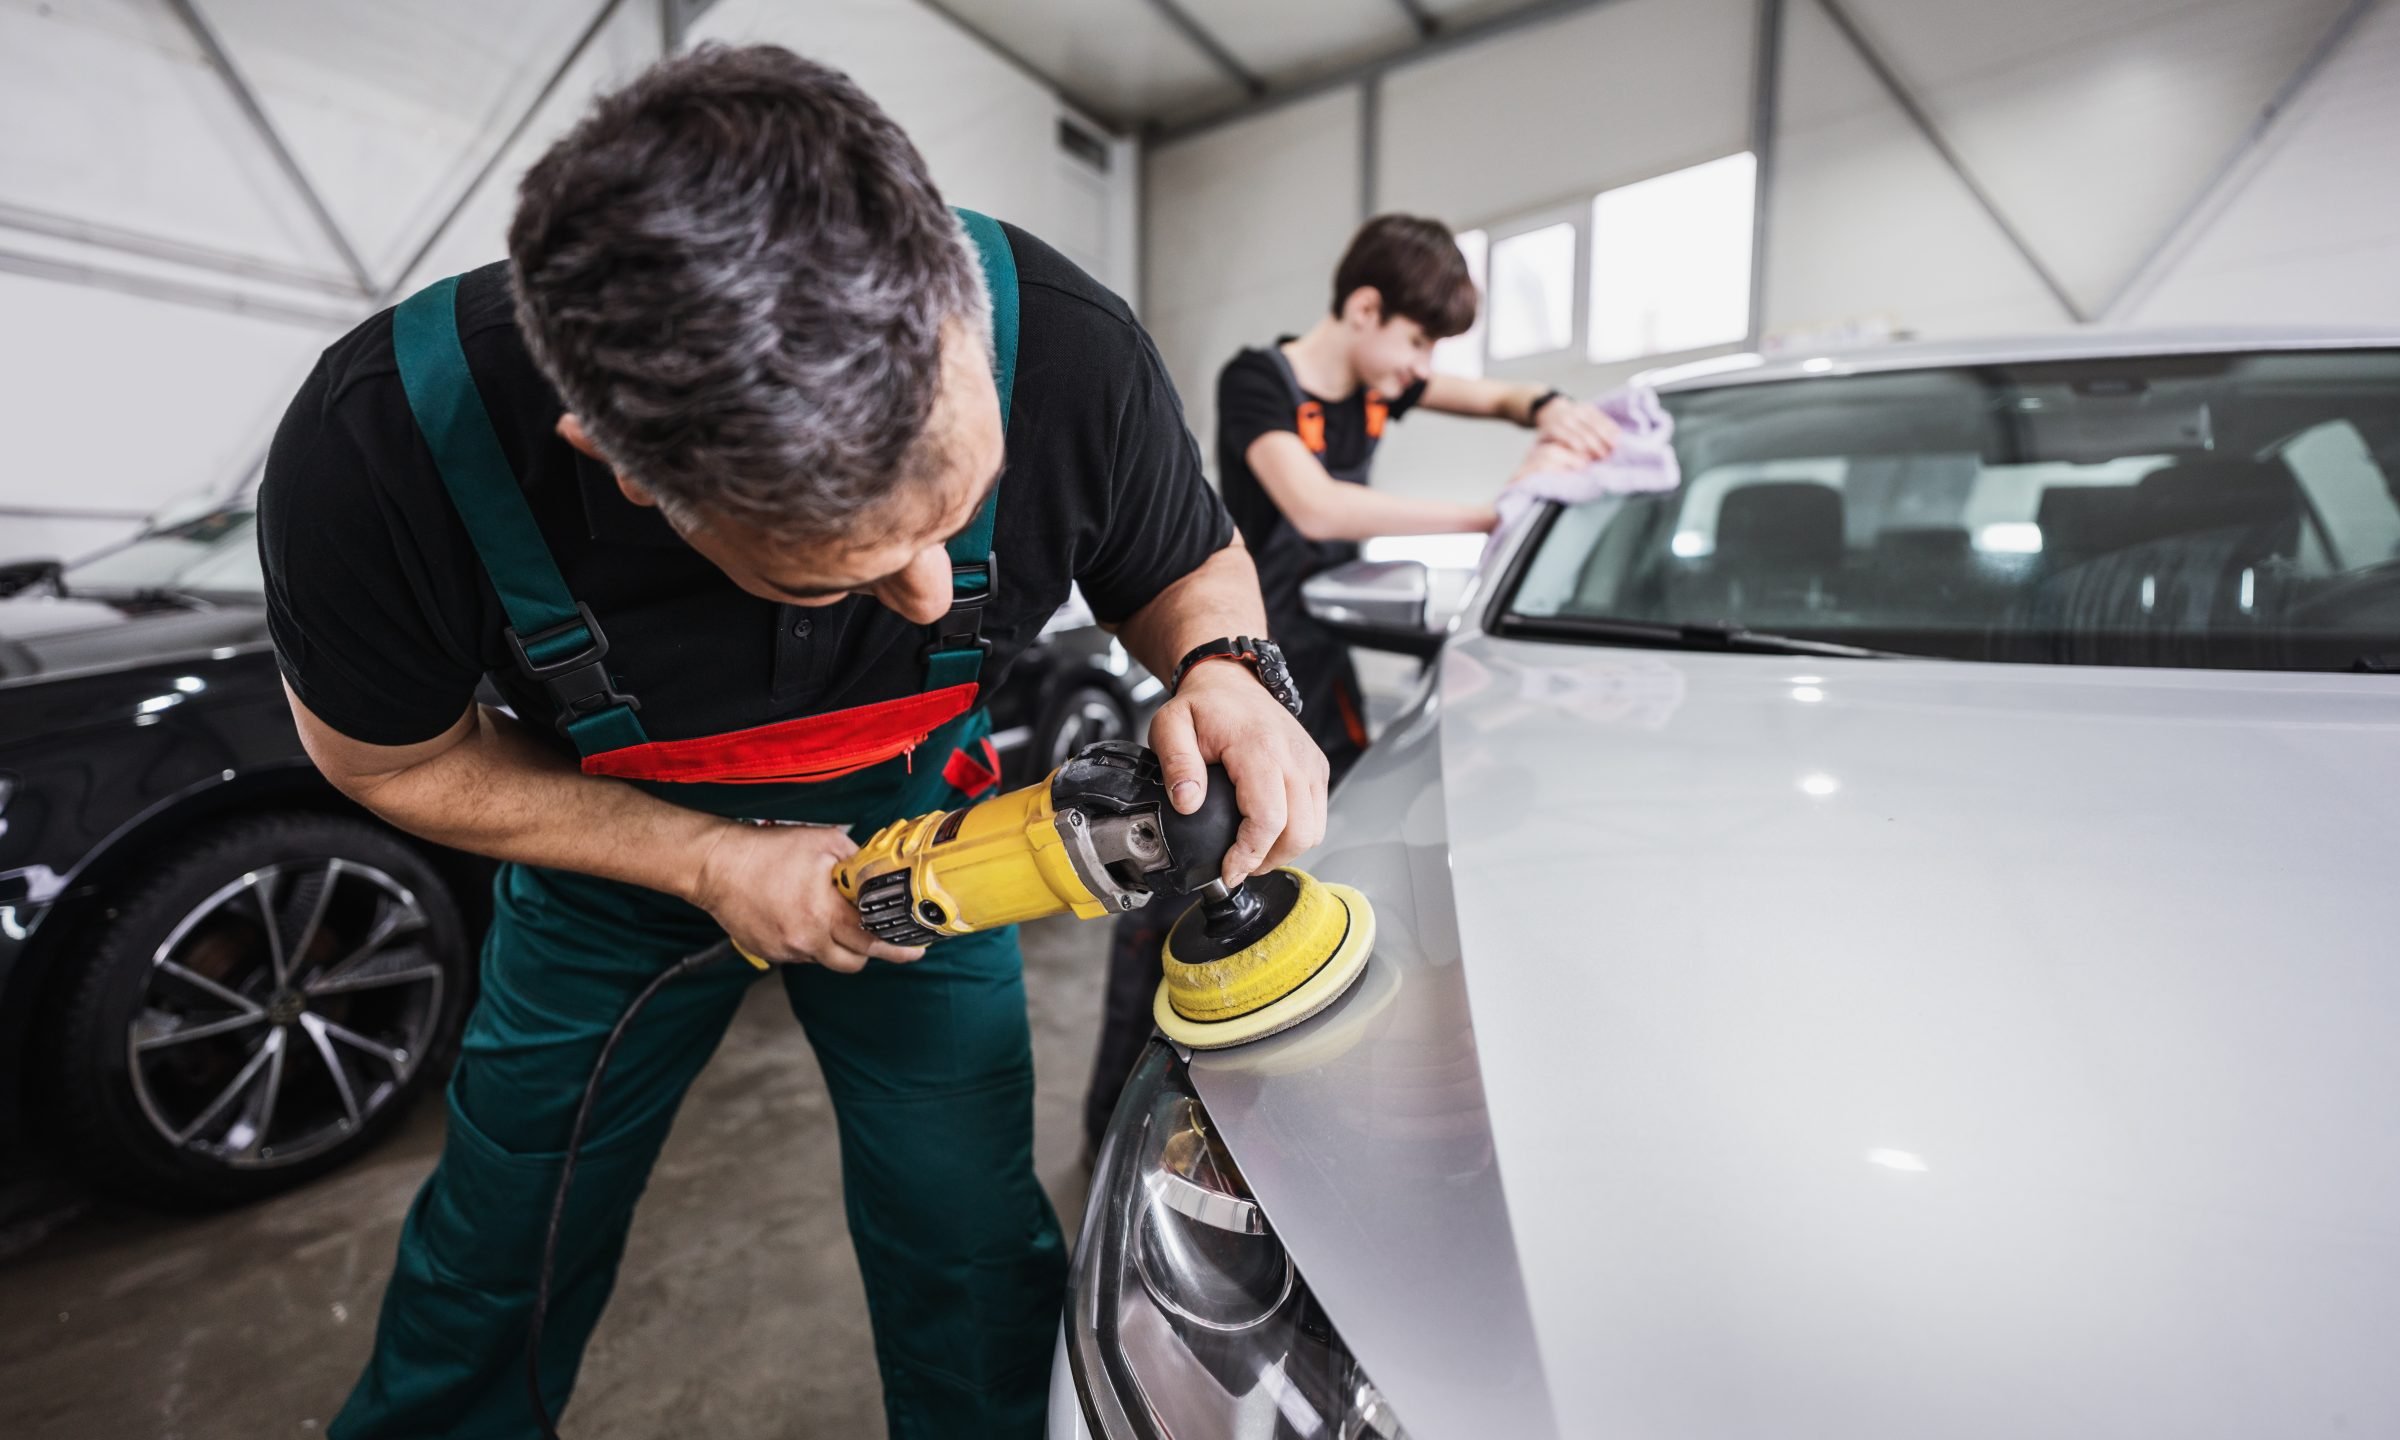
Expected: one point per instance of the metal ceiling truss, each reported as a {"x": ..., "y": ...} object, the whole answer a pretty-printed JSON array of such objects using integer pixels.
[
  {"x": 247, "y": 99},
  {"x": 675, "y": 19},
  {"x": 1209, "y": 45},
  {"x": 1932, "y": 134},
  {"x": 583, "y": 42},
  {"x": 1100, "y": 116},
  {"x": 29, "y": 220},
  {"x": 358, "y": 288},
  {"x": 1425, "y": 20},
  {"x": 2150, "y": 268},
  {"x": 1444, "y": 40},
  {"x": 1766, "y": 118}
]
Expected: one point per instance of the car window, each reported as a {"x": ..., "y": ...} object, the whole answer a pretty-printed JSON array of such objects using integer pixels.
[
  {"x": 213, "y": 556},
  {"x": 2226, "y": 510}
]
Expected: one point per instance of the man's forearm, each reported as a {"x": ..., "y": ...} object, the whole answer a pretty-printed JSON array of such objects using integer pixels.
[
  {"x": 1218, "y": 599},
  {"x": 493, "y": 790}
]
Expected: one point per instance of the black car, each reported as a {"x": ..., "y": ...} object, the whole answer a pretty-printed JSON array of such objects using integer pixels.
[
  {"x": 1073, "y": 687},
  {"x": 219, "y": 977}
]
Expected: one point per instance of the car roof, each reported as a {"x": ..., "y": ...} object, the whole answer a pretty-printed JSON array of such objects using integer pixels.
[{"x": 2094, "y": 344}]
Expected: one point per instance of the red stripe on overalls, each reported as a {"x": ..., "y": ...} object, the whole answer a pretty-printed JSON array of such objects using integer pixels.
[{"x": 813, "y": 747}]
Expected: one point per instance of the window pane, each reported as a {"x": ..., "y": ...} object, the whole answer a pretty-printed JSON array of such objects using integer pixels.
[
  {"x": 1671, "y": 262},
  {"x": 1463, "y": 354},
  {"x": 1533, "y": 292}
]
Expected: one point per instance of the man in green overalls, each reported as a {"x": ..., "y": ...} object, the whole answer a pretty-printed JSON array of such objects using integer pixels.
[{"x": 742, "y": 481}]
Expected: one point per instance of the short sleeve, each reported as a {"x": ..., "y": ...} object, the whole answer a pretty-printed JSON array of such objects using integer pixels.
[
  {"x": 1252, "y": 400},
  {"x": 1409, "y": 400},
  {"x": 377, "y": 642},
  {"x": 1163, "y": 518}
]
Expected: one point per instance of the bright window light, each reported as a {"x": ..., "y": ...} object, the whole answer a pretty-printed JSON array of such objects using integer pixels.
[
  {"x": 1671, "y": 262},
  {"x": 1533, "y": 292},
  {"x": 1463, "y": 354},
  {"x": 2015, "y": 537}
]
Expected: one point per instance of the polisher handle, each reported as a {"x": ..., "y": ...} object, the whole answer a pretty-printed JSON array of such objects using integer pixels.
[{"x": 1198, "y": 841}]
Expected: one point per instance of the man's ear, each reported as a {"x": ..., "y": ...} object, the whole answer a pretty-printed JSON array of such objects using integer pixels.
[
  {"x": 1363, "y": 308},
  {"x": 571, "y": 430}
]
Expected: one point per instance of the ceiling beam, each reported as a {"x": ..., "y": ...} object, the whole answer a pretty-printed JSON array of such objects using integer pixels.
[
  {"x": 181, "y": 292},
  {"x": 247, "y": 100},
  {"x": 50, "y": 225},
  {"x": 1207, "y": 44},
  {"x": 1923, "y": 121},
  {"x": 1448, "y": 39},
  {"x": 1766, "y": 116},
  {"x": 675, "y": 19},
  {"x": 1370, "y": 146},
  {"x": 2146, "y": 272},
  {"x": 499, "y": 152},
  {"x": 1101, "y": 116},
  {"x": 1425, "y": 20}
]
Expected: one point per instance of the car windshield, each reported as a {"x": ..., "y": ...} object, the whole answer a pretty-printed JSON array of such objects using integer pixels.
[
  {"x": 2211, "y": 510},
  {"x": 209, "y": 557}
]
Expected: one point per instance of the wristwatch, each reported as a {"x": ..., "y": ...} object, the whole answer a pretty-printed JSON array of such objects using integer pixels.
[
  {"x": 1264, "y": 658},
  {"x": 1533, "y": 412}
]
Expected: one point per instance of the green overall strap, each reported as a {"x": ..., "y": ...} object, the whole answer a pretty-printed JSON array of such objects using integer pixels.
[
  {"x": 554, "y": 637},
  {"x": 956, "y": 655}
]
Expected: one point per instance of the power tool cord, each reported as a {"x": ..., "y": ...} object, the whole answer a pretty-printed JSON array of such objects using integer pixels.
[{"x": 566, "y": 1170}]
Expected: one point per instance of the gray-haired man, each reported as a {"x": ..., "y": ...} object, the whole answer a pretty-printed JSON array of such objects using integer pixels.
[{"x": 715, "y": 480}]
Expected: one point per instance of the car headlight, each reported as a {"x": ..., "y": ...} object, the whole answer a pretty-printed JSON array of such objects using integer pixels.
[{"x": 1187, "y": 1317}]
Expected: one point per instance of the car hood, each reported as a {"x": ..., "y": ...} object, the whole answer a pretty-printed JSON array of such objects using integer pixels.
[
  {"x": 1764, "y": 1045},
  {"x": 55, "y": 635}
]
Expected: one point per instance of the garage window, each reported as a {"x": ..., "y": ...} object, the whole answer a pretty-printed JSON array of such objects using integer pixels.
[
  {"x": 1670, "y": 266},
  {"x": 1533, "y": 292},
  {"x": 1658, "y": 267},
  {"x": 1462, "y": 355}
]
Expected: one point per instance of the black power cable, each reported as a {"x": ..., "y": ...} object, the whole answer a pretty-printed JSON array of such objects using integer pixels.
[{"x": 566, "y": 1170}]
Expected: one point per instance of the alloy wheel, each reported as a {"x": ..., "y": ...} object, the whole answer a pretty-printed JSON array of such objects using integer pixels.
[{"x": 284, "y": 1011}]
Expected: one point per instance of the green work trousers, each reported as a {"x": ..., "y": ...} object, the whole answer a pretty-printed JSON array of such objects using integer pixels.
[{"x": 931, "y": 1072}]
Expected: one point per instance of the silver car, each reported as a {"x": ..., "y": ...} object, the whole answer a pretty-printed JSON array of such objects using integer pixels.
[{"x": 1896, "y": 937}]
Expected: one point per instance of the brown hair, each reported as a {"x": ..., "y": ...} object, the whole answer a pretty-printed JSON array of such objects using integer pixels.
[{"x": 1413, "y": 262}]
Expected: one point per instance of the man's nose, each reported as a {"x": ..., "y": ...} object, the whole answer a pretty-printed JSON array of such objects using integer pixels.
[{"x": 920, "y": 593}]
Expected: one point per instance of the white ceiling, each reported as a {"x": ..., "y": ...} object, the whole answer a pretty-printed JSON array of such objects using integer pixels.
[{"x": 1130, "y": 63}]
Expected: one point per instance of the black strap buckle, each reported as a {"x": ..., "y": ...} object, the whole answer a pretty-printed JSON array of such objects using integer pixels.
[
  {"x": 961, "y": 627},
  {"x": 579, "y": 685}
]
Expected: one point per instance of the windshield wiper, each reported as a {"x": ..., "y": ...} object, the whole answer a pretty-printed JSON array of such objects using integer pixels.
[{"x": 1686, "y": 635}]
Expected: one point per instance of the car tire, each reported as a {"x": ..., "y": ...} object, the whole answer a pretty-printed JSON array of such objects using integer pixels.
[
  {"x": 260, "y": 1007},
  {"x": 1080, "y": 714}
]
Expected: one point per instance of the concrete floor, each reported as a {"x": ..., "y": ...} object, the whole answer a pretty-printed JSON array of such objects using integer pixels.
[{"x": 738, "y": 1312}]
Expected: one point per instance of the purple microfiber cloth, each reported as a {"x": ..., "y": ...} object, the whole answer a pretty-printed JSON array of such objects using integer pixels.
[{"x": 1644, "y": 460}]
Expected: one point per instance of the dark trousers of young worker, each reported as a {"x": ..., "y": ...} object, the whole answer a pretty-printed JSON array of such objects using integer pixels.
[{"x": 931, "y": 1075}]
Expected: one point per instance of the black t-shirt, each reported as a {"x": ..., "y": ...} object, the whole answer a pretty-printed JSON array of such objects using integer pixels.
[
  {"x": 384, "y": 620},
  {"x": 1254, "y": 398}
]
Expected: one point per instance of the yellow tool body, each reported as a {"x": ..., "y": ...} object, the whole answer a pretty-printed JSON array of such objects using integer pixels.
[
  {"x": 1002, "y": 862},
  {"x": 1097, "y": 837}
]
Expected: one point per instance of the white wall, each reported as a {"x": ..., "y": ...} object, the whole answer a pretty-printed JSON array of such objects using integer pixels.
[
  {"x": 2092, "y": 123},
  {"x": 128, "y": 379},
  {"x": 1242, "y": 228}
]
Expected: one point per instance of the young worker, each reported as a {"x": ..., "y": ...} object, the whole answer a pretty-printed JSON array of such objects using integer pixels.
[{"x": 1298, "y": 425}]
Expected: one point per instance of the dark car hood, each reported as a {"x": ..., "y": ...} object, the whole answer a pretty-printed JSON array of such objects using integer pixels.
[{"x": 48, "y": 635}]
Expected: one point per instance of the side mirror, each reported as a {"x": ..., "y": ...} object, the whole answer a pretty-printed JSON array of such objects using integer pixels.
[{"x": 1377, "y": 605}]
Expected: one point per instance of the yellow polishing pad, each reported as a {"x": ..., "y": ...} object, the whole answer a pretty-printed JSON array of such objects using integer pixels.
[{"x": 1290, "y": 973}]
